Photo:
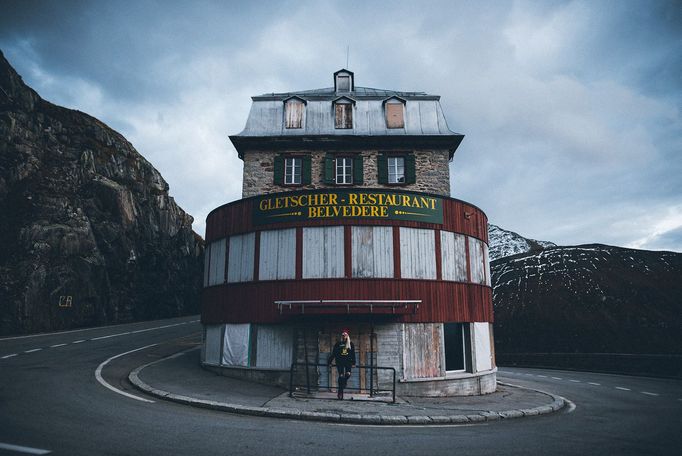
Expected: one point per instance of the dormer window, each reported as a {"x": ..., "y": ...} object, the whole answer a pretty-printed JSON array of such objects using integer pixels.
[
  {"x": 343, "y": 81},
  {"x": 394, "y": 109},
  {"x": 343, "y": 113},
  {"x": 293, "y": 112}
]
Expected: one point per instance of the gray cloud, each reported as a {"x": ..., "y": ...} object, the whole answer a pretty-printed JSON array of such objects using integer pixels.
[{"x": 570, "y": 109}]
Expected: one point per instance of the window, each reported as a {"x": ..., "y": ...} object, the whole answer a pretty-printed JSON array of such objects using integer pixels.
[
  {"x": 344, "y": 115},
  {"x": 344, "y": 170},
  {"x": 343, "y": 83},
  {"x": 396, "y": 170},
  {"x": 455, "y": 346},
  {"x": 293, "y": 113},
  {"x": 394, "y": 115},
  {"x": 292, "y": 170}
]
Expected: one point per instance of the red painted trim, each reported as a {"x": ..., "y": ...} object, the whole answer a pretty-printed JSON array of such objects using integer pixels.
[
  {"x": 439, "y": 257},
  {"x": 256, "y": 258},
  {"x": 396, "y": 252},
  {"x": 347, "y": 251},
  {"x": 299, "y": 253},
  {"x": 254, "y": 301}
]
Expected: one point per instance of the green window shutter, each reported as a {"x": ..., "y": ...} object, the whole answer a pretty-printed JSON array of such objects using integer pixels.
[
  {"x": 305, "y": 170},
  {"x": 410, "y": 171},
  {"x": 329, "y": 169},
  {"x": 279, "y": 170},
  {"x": 382, "y": 165},
  {"x": 357, "y": 170}
]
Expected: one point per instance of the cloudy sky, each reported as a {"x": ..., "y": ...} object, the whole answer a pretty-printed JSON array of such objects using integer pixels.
[{"x": 570, "y": 110}]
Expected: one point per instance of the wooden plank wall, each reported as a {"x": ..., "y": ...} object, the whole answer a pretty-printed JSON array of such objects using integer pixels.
[
  {"x": 277, "y": 256},
  {"x": 241, "y": 257},
  {"x": 372, "y": 251},
  {"x": 274, "y": 346},
  {"x": 486, "y": 263},
  {"x": 453, "y": 254},
  {"x": 482, "y": 349},
  {"x": 476, "y": 261},
  {"x": 207, "y": 265},
  {"x": 422, "y": 350},
  {"x": 214, "y": 341},
  {"x": 417, "y": 253},
  {"x": 323, "y": 252},
  {"x": 217, "y": 264}
]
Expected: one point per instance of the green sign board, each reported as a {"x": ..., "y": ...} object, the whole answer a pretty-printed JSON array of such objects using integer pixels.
[{"x": 347, "y": 203}]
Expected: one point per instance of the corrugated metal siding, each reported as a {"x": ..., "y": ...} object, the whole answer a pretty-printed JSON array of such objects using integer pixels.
[
  {"x": 422, "y": 350},
  {"x": 323, "y": 252},
  {"x": 277, "y": 254},
  {"x": 214, "y": 338},
  {"x": 454, "y": 257},
  {"x": 274, "y": 346},
  {"x": 372, "y": 251},
  {"x": 417, "y": 253},
  {"x": 217, "y": 271},
  {"x": 482, "y": 350},
  {"x": 241, "y": 256},
  {"x": 476, "y": 261}
]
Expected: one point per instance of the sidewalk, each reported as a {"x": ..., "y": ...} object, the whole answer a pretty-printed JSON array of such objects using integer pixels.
[{"x": 180, "y": 378}]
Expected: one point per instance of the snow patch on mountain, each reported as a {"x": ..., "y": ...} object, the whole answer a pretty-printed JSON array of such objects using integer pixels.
[{"x": 505, "y": 243}]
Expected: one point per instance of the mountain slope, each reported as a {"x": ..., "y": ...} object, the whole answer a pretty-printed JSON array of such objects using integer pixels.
[
  {"x": 88, "y": 233},
  {"x": 505, "y": 243}
]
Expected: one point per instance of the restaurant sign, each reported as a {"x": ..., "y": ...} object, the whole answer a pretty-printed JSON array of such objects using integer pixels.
[{"x": 347, "y": 203}]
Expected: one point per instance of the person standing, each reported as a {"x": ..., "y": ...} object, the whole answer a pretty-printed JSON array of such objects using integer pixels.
[{"x": 344, "y": 355}]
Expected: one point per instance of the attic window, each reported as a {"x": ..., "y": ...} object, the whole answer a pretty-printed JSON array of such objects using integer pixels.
[
  {"x": 343, "y": 110},
  {"x": 343, "y": 83},
  {"x": 293, "y": 113},
  {"x": 395, "y": 117}
]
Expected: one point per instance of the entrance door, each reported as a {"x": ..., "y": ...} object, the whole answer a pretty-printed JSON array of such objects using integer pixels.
[{"x": 360, "y": 333}]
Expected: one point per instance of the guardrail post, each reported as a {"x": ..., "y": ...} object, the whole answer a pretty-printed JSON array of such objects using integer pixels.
[{"x": 291, "y": 380}]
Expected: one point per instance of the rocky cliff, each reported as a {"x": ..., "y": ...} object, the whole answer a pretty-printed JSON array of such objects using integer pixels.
[{"x": 88, "y": 232}]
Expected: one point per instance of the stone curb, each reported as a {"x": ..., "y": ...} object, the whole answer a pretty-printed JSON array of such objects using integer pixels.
[{"x": 557, "y": 403}]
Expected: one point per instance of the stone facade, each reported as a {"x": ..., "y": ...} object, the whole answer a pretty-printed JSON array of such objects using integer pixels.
[{"x": 433, "y": 173}]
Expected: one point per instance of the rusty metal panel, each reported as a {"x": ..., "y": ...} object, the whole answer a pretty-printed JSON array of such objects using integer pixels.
[
  {"x": 323, "y": 252},
  {"x": 394, "y": 115},
  {"x": 277, "y": 256},
  {"x": 417, "y": 253},
  {"x": 274, "y": 346},
  {"x": 241, "y": 257},
  {"x": 422, "y": 350},
  {"x": 344, "y": 115},
  {"x": 453, "y": 256},
  {"x": 476, "y": 261},
  {"x": 372, "y": 251}
]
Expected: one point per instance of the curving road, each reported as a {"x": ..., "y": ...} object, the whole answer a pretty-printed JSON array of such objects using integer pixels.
[{"x": 51, "y": 401}]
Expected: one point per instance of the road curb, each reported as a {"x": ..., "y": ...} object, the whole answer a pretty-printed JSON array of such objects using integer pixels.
[{"x": 557, "y": 404}]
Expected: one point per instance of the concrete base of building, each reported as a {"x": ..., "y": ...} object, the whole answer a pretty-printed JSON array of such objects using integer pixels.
[
  {"x": 276, "y": 377},
  {"x": 460, "y": 385}
]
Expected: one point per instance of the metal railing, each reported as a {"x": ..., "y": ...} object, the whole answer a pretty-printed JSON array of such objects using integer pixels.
[{"x": 372, "y": 390}]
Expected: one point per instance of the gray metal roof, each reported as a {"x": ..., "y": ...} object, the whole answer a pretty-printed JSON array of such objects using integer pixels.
[{"x": 359, "y": 92}]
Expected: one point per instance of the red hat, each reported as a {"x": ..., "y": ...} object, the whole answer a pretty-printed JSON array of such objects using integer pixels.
[{"x": 345, "y": 331}]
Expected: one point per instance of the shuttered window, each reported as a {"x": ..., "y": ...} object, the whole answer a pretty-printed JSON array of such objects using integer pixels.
[
  {"x": 396, "y": 169},
  {"x": 293, "y": 114},
  {"x": 394, "y": 115},
  {"x": 344, "y": 115},
  {"x": 292, "y": 170},
  {"x": 344, "y": 170}
]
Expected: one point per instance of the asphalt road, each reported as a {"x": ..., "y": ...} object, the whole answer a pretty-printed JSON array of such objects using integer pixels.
[{"x": 51, "y": 400}]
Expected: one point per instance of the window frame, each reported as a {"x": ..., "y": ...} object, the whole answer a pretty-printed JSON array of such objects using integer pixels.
[
  {"x": 346, "y": 159},
  {"x": 394, "y": 102},
  {"x": 389, "y": 174},
  {"x": 289, "y": 105},
  {"x": 466, "y": 361},
  {"x": 293, "y": 158}
]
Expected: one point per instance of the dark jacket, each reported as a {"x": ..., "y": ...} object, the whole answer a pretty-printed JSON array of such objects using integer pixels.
[{"x": 344, "y": 356}]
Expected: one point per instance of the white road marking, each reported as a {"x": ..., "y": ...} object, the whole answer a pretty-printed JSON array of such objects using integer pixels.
[
  {"x": 9, "y": 356},
  {"x": 110, "y": 335},
  {"x": 542, "y": 376},
  {"x": 78, "y": 341},
  {"x": 623, "y": 389},
  {"x": 593, "y": 383},
  {"x": 98, "y": 375},
  {"x": 32, "y": 351},
  {"x": 57, "y": 345},
  {"x": 649, "y": 394},
  {"x": 575, "y": 381},
  {"x": 557, "y": 378},
  {"x": 23, "y": 449}
]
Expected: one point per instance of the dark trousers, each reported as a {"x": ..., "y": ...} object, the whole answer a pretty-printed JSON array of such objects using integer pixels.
[{"x": 344, "y": 374}]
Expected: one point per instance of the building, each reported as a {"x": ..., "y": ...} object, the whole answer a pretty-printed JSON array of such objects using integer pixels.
[{"x": 346, "y": 221}]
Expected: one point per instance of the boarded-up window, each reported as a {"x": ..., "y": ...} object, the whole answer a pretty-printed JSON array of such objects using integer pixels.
[
  {"x": 394, "y": 115},
  {"x": 274, "y": 346},
  {"x": 453, "y": 256},
  {"x": 476, "y": 264},
  {"x": 422, "y": 350},
  {"x": 293, "y": 114},
  {"x": 344, "y": 115},
  {"x": 417, "y": 253},
  {"x": 213, "y": 335},
  {"x": 372, "y": 251},
  {"x": 482, "y": 347},
  {"x": 217, "y": 264},
  {"x": 236, "y": 343},
  {"x": 240, "y": 258},
  {"x": 323, "y": 254},
  {"x": 277, "y": 255},
  {"x": 343, "y": 83}
]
